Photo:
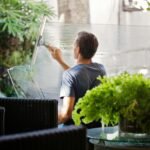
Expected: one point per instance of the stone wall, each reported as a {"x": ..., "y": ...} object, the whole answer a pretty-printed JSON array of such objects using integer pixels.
[{"x": 73, "y": 11}]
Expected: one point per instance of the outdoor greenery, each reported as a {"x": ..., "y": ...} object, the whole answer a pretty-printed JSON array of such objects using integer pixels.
[
  {"x": 148, "y": 2},
  {"x": 126, "y": 95},
  {"x": 19, "y": 26}
]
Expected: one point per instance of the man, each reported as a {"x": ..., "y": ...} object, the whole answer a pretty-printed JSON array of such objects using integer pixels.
[{"x": 78, "y": 79}]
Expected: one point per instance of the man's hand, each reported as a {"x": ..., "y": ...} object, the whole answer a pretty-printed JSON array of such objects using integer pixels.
[
  {"x": 57, "y": 55},
  {"x": 55, "y": 52}
]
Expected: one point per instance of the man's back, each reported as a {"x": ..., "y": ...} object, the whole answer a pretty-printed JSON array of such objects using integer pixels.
[
  {"x": 81, "y": 78},
  {"x": 78, "y": 79}
]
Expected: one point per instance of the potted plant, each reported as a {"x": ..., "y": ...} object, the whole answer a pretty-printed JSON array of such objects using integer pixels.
[
  {"x": 19, "y": 26},
  {"x": 123, "y": 99}
]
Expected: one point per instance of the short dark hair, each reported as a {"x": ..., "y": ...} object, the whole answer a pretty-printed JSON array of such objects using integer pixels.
[{"x": 87, "y": 43}]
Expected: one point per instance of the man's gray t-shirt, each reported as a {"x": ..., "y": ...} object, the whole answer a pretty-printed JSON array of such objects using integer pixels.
[{"x": 80, "y": 78}]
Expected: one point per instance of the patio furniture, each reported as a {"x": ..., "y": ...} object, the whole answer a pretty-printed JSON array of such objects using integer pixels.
[{"x": 23, "y": 115}]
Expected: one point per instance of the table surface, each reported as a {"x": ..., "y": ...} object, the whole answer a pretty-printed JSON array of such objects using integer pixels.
[{"x": 111, "y": 136}]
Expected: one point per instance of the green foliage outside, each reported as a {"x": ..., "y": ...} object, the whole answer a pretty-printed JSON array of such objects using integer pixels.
[
  {"x": 126, "y": 95},
  {"x": 19, "y": 26},
  {"x": 148, "y": 2}
]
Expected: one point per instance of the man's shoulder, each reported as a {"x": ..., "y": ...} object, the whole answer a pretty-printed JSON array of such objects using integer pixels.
[
  {"x": 75, "y": 67},
  {"x": 84, "y": 67},
  {"x": 98, "y": 64},
  {"x": 80, "y": 67},
  {"x": 75, "y": 70}
]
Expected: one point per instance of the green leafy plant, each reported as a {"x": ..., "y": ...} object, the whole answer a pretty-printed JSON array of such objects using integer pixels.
[
  {"x": 20, "y": 21},
  {"x": 19, "y": 25},
  {"x": 126, "y": 95}
]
